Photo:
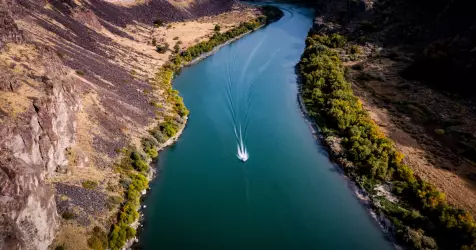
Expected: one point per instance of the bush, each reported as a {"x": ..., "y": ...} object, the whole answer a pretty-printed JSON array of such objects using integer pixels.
[
  {"x": 177, "y": 48},
  {"x": 440, "y": 131},
  {"x": 154, "y": 42},
  {"x": 113, "y": 202},
  {"x": 68, "y": 215},
  {"x": 140, "y": 166},
  {"x": 150, "y": 147},
  {"x": 98, "y": 239},
  {"x": 358, "y": 66},
  {"x": 159, "y": 135},
  {"x": 80, "y": 72},
  {"x": 158, "y": 22},
  {"x": 417, "y": 240},
  {"x": 162, "y": 48},
  {"x": 217, "y": 28},
  {"x": 355, "y": 50},
  {"x": 168, "y": 128},
  {"x": 60, "y": 247},
  {"x": 89, "y": 184},
  {"x": 119, "y": 235},
  {"x": 152, "y": 153}
]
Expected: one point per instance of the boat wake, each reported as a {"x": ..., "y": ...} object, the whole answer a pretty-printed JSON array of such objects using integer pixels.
[
  {"x": 242, "y": 152},
  {"x": 240, "y": 92}
]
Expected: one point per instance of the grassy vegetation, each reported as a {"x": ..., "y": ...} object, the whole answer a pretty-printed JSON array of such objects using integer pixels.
[
  {"x": 162, "y": 48},
  {"x": 133, "y": 169},
  {"x": 422, "y": 218},
  {"x": 89, "y": 184},
  {"x": 98, "y": 239},
  {"x": 68, "y": 215}
]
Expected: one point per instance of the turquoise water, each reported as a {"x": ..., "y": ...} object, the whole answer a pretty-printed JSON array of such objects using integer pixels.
[{"x": 288, "y": 195}]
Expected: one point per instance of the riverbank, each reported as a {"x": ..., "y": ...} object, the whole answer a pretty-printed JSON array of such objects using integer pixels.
[
  {"x": 334, "y": 150},
  {"x": 164, "y": 78},
  {"x": 418, "y": 212}
]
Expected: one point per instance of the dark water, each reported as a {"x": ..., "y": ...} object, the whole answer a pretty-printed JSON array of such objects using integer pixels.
[{"x": 287, "y": 195}]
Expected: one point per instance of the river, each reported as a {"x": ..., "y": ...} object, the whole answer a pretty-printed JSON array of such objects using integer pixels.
[{"x": 288, "y": 195}]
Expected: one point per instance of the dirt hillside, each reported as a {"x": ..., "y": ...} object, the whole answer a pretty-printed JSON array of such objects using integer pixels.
[{"x": 74, "y": 91}]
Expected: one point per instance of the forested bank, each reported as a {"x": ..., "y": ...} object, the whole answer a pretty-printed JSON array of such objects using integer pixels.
[{"x": 421, "y": 216}]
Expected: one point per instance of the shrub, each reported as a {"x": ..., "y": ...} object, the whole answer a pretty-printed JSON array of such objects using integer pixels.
[
  {"x": 417, "y": 240},
  {"x": 168, "y": 128},
  {"x": 358, "y": 66},
  {"x": 440, "y": 131},
  {"x": 154, "y": 42},
  {"x": 162, "y": 48},
  {"x": 119, "y": 235},
  {"x": 150, "y": 147},
  {"x": 113, "y": 202},
  {"x": 89, "y": 184},
  {"x": 217, "y": 28},
  {"x": 135, "y": 156},
  {"x": 98, "y": 239},
  {"x": 158, "y": 22},
  {"x": 177, "y": 48},
  {"x": 152, "y": 153},
  {"x": 80, "y": 72},
  {"x": 60, "y": 247},
  {"x": 159, "y": 135},
  {"x": 176, "y": 38},
  {"x": 140, "y": 166},
  {"x": 68, "y": 215},
  {"x": 354, "y": 49}
]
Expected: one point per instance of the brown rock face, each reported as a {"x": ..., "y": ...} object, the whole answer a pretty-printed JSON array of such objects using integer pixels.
[
  {"x": 32, "y": 146},
  {"x": 9, "y": 31}
]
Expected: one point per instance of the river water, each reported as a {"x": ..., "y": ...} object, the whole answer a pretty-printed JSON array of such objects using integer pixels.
[{"x": 288, "y": 195}]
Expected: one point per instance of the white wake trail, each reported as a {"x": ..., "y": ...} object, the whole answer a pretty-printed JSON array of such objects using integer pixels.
[{"x": 242, "y": 152}]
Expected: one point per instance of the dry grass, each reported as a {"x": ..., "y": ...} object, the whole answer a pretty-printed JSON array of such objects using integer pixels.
[
  {"x": 71, "y": 236},
  {"x": 429, "y": 158}
]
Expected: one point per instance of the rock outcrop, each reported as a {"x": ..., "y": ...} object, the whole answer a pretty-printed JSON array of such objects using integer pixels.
[
  {"x": 32, "y": 145},
  {"x": 9, "y": 31}
]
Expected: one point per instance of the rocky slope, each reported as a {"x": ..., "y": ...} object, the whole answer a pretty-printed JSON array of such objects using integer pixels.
[{"x": 74, "y": 91}]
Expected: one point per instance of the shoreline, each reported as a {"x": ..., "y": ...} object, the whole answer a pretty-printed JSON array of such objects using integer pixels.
[
  {"x": 207, "y": 54},
  {"x": 151, "y": 175},
  {"x": 363, "y": 197}
]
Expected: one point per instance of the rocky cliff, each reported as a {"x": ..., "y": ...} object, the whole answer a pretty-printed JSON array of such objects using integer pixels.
[
  {"x": 37, "y": 125},
  {"x": 73, "y": 91},
  {"x": 33, "y": 145}
]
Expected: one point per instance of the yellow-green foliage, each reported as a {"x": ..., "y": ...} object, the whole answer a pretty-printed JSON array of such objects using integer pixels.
[
  {"x": 136, "y": 181},
  {"x": 423, "y": 211},
  {"x": 89, "y": 184},
  {"x": 98, "y": 239}
]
